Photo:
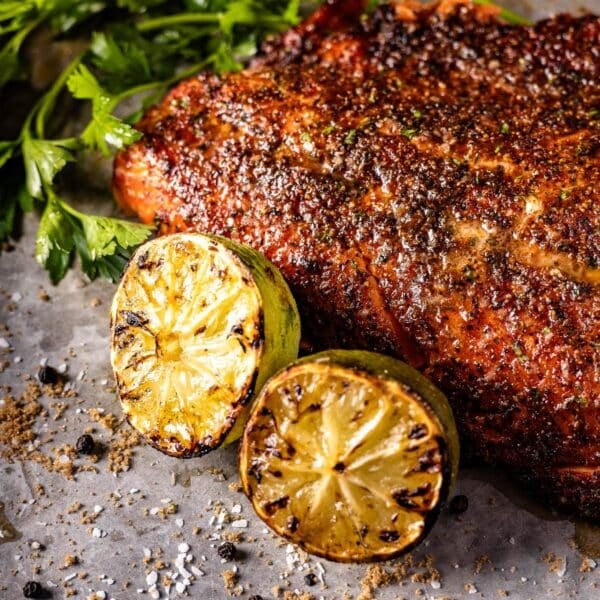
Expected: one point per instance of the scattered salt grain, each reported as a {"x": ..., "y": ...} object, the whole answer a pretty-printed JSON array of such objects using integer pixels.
[
  {"x": 151, "y": 578},
  {"x": 4, "y": 343},
  {"x": 98, "y": 509},
  {"x": 179, "y": 522},
  {"x": 236, "y": 509},
  {"x": 17, "y": 360},
  {"x": 62, "y": 368},
  {"x": 183, "y": 548},
  {"x": 240, "y": 523},
  {"x": 70, "y": 577},
  {"x": 147, "y": 553},
  {"x": 197, "y": 572}
]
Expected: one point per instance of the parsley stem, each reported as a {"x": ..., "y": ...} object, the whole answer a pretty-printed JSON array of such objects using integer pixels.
[
  {"x": 179, "y": 19},
  {"x": 145, "y": 87},
  {"x": 48, "y": 100},
  {"x": 505, "y": 14}
]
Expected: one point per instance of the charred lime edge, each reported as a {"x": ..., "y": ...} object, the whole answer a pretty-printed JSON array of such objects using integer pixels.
[
  {"x": 279, "y": 326},
  {"x": 434, "y": 402}
]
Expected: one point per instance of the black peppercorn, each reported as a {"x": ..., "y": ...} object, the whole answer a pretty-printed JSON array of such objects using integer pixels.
[
  {"x": 310, "y": 579},
  {"x": 227, "y": 551},
  {"x": 255, "y": 597},
  {"x": 33, "y": 589},
  {"x": 48, "y": 375},
  {"x": 85, "y": 444},
  {"x": 459, "y": 504}
]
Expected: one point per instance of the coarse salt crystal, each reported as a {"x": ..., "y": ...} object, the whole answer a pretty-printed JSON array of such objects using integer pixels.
[
  {"x": 166, "y": 500},
  {"x": 154, "y": 593},
  {"x": 17, "y": 360},
  {"x": 16, "y": 297},
  {"x": 147, "y": 552},
  {"x": 240, "y": 523},
  {"x": 236, "y": 509},
  {"x": 62, "y": 368},
  {"x": 134, "y": 491},
  {"x": 4, "y": 343},
  {"x": 35, "y": 545},
  {"x": 154, "y": 510},
  {"x": 101, "y": 594},
  {"x": 98, "y": 509},
  {"x": 197, "y": 572},
  {"x": 70, "y": 576},
  {"x": 96, "y": 532},
  {"x": 183, "y": 548},
  {"x": 212, "y": 520},
  {"x": 179, "y": 522},
  {"x": 180, "y": 587},
  {"x": 151, "y": 578},
  {"x": 435, "y": 584}
]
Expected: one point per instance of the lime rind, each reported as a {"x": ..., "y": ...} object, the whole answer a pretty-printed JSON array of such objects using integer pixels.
[
  {"x": 350, "y": 455},
  {"x": 197, "y": 323}
]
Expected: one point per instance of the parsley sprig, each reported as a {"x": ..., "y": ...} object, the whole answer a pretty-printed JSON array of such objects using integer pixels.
[{"x": 136, "y": 49}]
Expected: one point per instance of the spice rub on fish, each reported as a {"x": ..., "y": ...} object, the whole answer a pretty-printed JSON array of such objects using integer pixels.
[{"x": 427, "y": 179}]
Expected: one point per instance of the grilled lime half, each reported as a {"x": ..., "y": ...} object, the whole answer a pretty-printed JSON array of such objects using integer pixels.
[
  {"x": 198, "y": 324},
  {"x": 350, "y": 455}
]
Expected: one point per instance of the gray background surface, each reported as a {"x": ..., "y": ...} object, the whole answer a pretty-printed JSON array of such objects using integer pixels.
[{"x": 504, "y": 544}]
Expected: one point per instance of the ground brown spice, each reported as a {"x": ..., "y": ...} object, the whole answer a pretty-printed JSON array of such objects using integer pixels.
[
  {"x": 230, "y": 579},
  {"x": 120, "y": 450}
]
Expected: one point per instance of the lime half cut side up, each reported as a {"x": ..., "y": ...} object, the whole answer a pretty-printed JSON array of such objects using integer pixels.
[
  {"x": 350, "y": 455},
  {"x": 198, "y": 324}
]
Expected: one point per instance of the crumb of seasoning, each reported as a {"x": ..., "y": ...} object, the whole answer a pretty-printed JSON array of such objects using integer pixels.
[
  {"x": 556, "y": 564},
  {"x": 43, "y": 295},
  {"x": 587, "y": 565},
  {"x": 70, "y": 560},
  {"x": 120, "y": 451},
  {"x": 107, "y": 420},
  {"x": 74, "y": 507},
  {"x": 310, "y": 579},
  {"x": 481, "y": 562},
  {"x": 236, "y": 486},
  {"x": 230, "y": 579},
  {"x": 95, "y": 302}
]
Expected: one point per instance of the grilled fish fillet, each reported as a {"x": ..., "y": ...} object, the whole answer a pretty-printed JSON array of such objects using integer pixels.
[{"x": 427, "y": 179}]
